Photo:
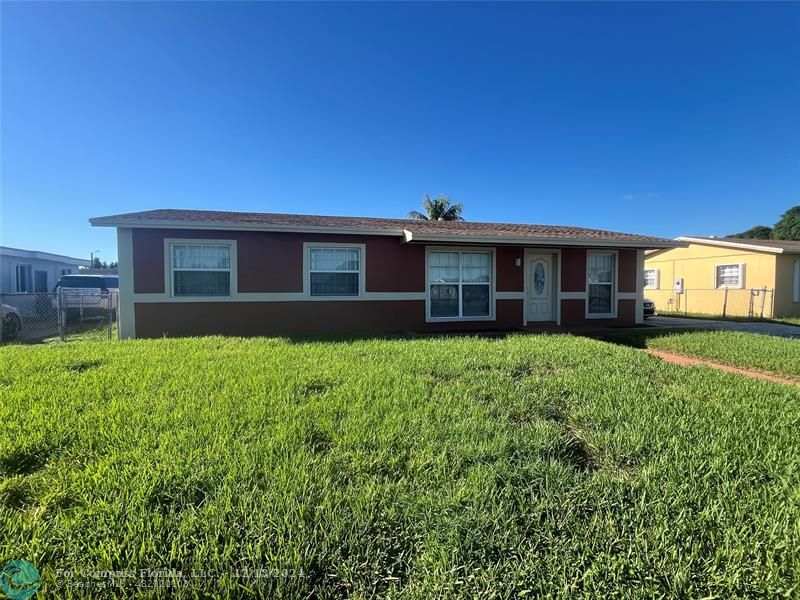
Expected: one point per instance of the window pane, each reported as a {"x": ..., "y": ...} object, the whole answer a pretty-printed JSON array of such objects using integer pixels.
[
  {"x": 476, "y": 300},
  {"x": 40, "y": 282},
  {"x": 334, "y": 259},
  {"x": 475, "y": 267},
  {"x": 599, "y": 299},
  {"x": 443, "y": 267},
  {"x": 334, "y": 284},
  {"x": 650, "y": 278},
  {"x": 444, "y": 301},
  {"x": 728, "y": 275},
  {"x": 601, "y": 268},
  {"x": 195, "y": 256},
  {"x": 23, "y": 277},
  {"x": 202, "y": 283}
]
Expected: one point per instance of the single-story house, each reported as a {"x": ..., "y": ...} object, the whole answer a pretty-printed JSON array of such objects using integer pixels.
[
  {"x": 32, "y": 271},
  {"x": 190, "y": 272},
  {"x": 731, "y": 275}
]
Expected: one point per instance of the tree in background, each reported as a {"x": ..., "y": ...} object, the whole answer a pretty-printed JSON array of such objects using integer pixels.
[
  {"x": 759, "y": 232},
  {"x": 788, "y": 228},
  {"x": 439, "y": 209},
  {"x": 98, "y": 264}
]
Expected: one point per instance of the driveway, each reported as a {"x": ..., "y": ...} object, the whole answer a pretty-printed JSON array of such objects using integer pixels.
[{"x": 776, "y": 329}]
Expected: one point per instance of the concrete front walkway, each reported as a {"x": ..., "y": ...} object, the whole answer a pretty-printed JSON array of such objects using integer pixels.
[{"x": 776, "y": 329}]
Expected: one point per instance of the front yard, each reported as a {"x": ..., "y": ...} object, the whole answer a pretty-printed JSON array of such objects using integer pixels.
[{"x": 540, "y": 465}]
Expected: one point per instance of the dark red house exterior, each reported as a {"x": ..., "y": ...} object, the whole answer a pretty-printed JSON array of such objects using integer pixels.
[{"x": 205, "y": 272}]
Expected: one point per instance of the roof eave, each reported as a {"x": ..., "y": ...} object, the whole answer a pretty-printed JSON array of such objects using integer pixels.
[
  {"x": 410, "y": 236},
  {"x": 239, "y": 226},
  {"x": 726, "y": 244}
]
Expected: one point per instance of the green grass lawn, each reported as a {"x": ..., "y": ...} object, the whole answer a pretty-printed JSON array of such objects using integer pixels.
[
  {"x": 718, "y": 317},
  {"x": 747, "y": 350},
  {"x": 539, "y": 465}
]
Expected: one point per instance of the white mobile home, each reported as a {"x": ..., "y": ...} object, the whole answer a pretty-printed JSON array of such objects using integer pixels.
[{"x": 31, "y": 271}]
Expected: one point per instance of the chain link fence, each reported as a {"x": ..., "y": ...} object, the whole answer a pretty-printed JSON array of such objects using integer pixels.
[
  {"x": 722, "y": 302},
  {"x": 65, "y": 315}
]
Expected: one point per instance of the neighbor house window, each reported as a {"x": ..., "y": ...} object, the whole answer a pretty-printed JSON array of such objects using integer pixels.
[
  {"x": 64, "y": 271},
  {"x": 797, "y": 281},
  {"x": 651, "y": 279},
  {"x": 334, "y": 271},
  {"x": 40, "y": 282},
  {"x": 202, "y": 269},
  {"x": 729, "y": 276},
  {"x": 459, "y": 284},
  {"x": 23, "y": 278},
  {"x": 601, "y": 283}
]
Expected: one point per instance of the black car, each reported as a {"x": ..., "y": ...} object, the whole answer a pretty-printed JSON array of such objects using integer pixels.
[{"x": 649, "y": 308}]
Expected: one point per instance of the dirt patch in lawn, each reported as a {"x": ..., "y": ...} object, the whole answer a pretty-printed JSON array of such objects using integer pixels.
[{"x": 680, "y": 359}]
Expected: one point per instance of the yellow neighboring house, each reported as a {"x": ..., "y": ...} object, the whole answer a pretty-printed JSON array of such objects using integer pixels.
[{"x": 729, "y": 276}]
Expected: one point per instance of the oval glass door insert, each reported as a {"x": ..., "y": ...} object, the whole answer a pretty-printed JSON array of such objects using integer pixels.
[{"x": 538, "y": 279}]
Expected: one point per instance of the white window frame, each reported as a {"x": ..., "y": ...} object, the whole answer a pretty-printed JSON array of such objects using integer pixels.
[
  {"x": 169, "y": 278},
  {"x": 64, "y": 271},
  {"x": 29, "y": 278},
  {"x": 718, "y": 285},
  {"x": 362, "y": 268},
  {"x": 656, "y": 278},
  {"x": 614, "y": 286},
  {"x": 796, "y": 281},
  {"x": 492, "y": 283}
]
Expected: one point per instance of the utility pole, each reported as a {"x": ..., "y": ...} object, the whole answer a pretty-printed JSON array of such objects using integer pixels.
[{"x": 91, "y": 258}]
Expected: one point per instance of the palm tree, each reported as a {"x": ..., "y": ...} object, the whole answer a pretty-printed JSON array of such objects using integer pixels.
[{"x": 438, "y": 209}]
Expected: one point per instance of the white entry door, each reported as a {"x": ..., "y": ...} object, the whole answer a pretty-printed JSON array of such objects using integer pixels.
[{"x": 540, "y": 287}]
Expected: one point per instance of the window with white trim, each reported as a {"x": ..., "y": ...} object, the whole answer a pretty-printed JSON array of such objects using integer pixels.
[
  {"x": 797, "y": 281},
  {"x": 334, "y": 271},
  {"x": 23, "y": 278},
  {"x": 200, "y": 269},
  {"x": 601, "y": 283},
  {"x": 728, "y": 276},
  {"x": 651, "y": 279},
  {"x": 459, "y": 284},
  {"x": 64, "y": 271}
]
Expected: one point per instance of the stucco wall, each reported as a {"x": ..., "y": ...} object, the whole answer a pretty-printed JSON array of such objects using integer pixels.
[
  {"x": 272, "y": 263},
  {"x": 696, "y": 265},
  {"x": 785, "y": 282}
]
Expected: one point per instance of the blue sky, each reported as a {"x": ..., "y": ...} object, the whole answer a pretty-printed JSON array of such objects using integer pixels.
[{"x": 665, "y": 119}]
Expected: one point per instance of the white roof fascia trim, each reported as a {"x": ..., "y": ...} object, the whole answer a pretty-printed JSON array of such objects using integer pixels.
[
  {"x": 35, "y": 254},
  {"x": 720, "y": 242},
  {"x": 230, "y": 225},
  {"x": 408, "y": 235},
  {"x": 529, "y": 241}
]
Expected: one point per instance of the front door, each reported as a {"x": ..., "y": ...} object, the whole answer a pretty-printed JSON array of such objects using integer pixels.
[{"x": 540, "y": 287}]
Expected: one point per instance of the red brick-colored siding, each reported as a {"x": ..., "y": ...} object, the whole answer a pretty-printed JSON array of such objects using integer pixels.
[
  {"x": 573, "y": 270},
  {"x": 182, "y": 319},
  {"x": 573, "y": 313},
  {"x": 273, "y": 263},
  {"x": 626, "y": 276},
  {"x": 510, "y": 278}
]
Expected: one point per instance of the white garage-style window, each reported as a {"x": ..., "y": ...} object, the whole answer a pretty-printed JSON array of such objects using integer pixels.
[
  {"x": 730, "y": 276},
  {"x": 601, "y": 284},
  {"x": 201, "y": 267},
  {"x": 460, "y": 285},
  {"x": 651, "y": 279},
  {"x": 334, "y": 270}
]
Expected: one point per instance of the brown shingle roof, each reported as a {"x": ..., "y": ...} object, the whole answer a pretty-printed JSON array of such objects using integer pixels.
[
  {"x": 413, "y": 230},
  {"x": 781, "y": 246}
]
